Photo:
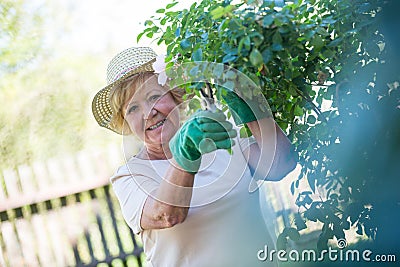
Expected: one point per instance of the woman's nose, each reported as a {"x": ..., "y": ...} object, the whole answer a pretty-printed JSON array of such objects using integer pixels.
[{"x": 150, "y": 112}]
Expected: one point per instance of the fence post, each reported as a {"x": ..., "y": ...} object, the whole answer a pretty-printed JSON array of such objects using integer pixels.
[{"x": 48, "y": 210}]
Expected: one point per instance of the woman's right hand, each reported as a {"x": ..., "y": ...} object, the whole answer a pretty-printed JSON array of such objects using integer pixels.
[
  {"x": 246, "y": 110},
  {"x": 204, "y": 132}
]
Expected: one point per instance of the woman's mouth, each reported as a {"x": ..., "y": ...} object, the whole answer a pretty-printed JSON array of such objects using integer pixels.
[{"x": 157, "y": 125}]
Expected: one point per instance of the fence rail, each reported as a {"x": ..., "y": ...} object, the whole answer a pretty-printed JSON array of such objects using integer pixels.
[{"x": 63, "y": 213}]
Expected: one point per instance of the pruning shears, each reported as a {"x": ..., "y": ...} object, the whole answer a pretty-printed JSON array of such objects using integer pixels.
[{"x": 208, "y": 98}]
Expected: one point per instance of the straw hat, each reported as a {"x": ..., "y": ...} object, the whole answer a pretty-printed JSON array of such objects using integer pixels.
[{"x": 125, "y": 64}]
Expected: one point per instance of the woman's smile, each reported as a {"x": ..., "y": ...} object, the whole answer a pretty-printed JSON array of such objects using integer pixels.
[{"x": 156, "y": 125}]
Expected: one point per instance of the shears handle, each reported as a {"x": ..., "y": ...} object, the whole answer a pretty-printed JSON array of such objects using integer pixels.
[{"x": 208, "y": 99}]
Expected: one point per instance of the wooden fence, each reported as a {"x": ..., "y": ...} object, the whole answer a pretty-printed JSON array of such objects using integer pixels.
[{"x": 63, "y": 213}]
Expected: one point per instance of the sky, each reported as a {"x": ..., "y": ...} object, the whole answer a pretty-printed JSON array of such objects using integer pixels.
[{"x": 93, "y": 26}]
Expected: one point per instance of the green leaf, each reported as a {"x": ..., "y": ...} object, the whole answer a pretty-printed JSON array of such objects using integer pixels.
[
  {"x": 338, "y": 231},
  {"x": 317, "y": 42},
  {"x": 277, "y": 38},
  {"x": 178, "y": 32},
  {"x": 193, "y": 72},
  {"x": 311, "y": 181},
  {"x": 267, "y": 55},
  {"x": 139, "y": 36},
  {"x": 185, "y": 44},
  {"x": 224, "y": 24},
  {"x": 328, "y": 53},
  {"x": 311, "y": 215},
  {"x": 245, "y": 41},
  {"x": 229, "y": 58},
  {"x": 298, "y": 111},
  {"x": 161, "y": 10},
  {"x": 314, "y": 213},
  {"x": 148, "y": 23},
  {"x": 281, "y": 242},
  {"x": 194, "y": 104},
  {"x": 171, "y": 5},
  {"x": 353, "y": 211},
  {"x": 257, "y": 38},
  {"x": 311, "y": 119},
  {"x": 268, "y": 20},
  {"x": 229, "y": 8},
  {"x": 299, "y": 222},
  {"x": 256, "y": 58},
  {"x": 197, "y": 55},
  {"x": 217, "y": 12},
  {"x": 346, "y": 225},
  {"x": 230, "y": 75},
  {"x": 292, "y": 88},
  {"x": 277, "y": 47},
  {"x": 360, "y": 229},
  {"x": 292, "y": 233},
  {"x": 309, "y": 34},
  {"x": 307, "y": 199},
  {"x": 218, "y": 70},
  {"x": 292, "y": 188},
  {"x": 234, "y": 25},
  {"x": 244, "y": 132},
  {"x": 204, "y": 36}
]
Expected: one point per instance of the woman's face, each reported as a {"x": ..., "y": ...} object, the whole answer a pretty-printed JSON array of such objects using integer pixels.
[{"x": 152, "y": 113}]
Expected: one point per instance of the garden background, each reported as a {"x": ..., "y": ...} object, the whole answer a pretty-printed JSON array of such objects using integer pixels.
[{"x": 327, "y": 68}]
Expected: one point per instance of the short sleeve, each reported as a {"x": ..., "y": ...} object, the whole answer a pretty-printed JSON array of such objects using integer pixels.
[
  {"x": 132, "y": 191},
  {"x": 246, "y": 142}
]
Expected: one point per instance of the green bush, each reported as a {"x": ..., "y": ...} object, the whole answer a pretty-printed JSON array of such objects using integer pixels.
[{"x": 330, "y": 78}]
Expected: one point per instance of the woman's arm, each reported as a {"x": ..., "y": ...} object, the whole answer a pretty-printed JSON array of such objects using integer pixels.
[
  {"x": 271, "y": 157},
  {"x": 169, "y": 204}
]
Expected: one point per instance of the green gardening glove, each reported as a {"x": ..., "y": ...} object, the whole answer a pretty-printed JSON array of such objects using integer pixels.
[
  {"x": 204, "y": 132},
  {"x": 246, "y": 110}
]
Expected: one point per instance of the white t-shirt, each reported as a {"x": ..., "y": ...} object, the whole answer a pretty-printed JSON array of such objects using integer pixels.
[{"x": 224, "y": 225}]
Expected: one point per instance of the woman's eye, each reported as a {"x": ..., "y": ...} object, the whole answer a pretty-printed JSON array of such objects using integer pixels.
[
  {"x": 154, "y": 98},
  {"x": 132, "y": 109}
]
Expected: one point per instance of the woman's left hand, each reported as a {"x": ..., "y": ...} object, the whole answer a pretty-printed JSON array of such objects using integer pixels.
[{"x": 202, "y": 133}]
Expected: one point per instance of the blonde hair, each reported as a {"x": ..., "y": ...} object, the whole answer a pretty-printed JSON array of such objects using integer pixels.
[{"x": 125, "y": 90}]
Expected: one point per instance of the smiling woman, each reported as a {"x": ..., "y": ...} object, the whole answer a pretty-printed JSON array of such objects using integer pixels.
[{"x": 183, "y": 192}]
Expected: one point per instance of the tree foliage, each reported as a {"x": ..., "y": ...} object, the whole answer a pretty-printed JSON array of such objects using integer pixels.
[
  {"x": 45, "y": 110},
  {"x": 329, "y": 74},
  {"x": 20, "y": 34}
]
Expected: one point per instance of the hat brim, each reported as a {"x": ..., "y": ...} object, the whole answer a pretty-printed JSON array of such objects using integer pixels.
[{"x": 101, "y": 107}]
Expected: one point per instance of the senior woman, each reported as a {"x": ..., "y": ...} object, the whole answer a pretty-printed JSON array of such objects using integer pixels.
[{"x": 184, "y": 193}]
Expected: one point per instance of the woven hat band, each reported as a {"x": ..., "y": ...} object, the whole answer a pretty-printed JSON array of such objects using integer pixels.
[{"x": 127, "y": 61}]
